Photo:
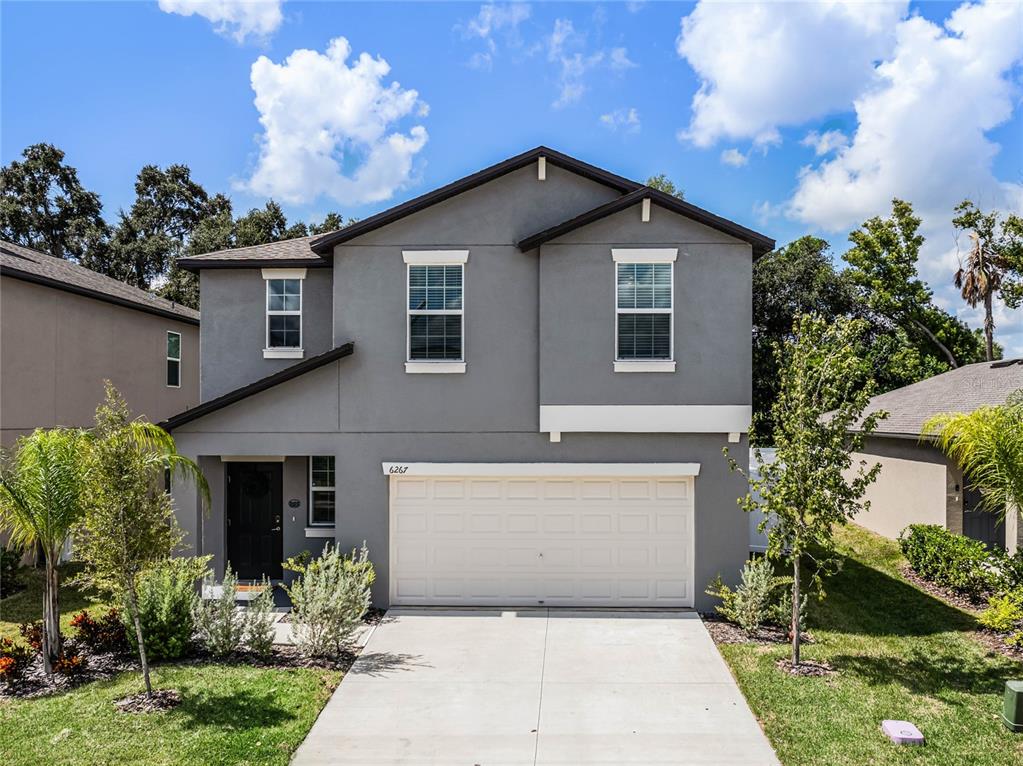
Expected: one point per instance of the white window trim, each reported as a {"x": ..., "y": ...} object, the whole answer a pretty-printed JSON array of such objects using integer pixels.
[
  {"x": 433, "y": 258},
  {"x": 644, "y": 254},
  {"x": 641, "y": 365},
  {"x": 317, "y": 525},
  {"x": 172, "y": 359},
  {"x": 320, "y": 531},
  {"x": 284, "y": 352}
]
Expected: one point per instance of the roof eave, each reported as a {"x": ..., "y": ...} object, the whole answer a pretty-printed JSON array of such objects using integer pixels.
[{"x": 196, "y": 264}]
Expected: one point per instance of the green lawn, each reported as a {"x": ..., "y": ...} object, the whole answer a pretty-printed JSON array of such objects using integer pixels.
[
  {"x": 27, "y": 605},
  {"x": 901, "y": 654},
  {"x": 229, "y": 715}
]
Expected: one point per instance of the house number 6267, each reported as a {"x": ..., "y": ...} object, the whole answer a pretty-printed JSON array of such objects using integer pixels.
[{"x": 397, "y": 469}]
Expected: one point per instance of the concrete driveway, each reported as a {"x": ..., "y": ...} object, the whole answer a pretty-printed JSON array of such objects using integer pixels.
[{"x": 537, "y": 686}]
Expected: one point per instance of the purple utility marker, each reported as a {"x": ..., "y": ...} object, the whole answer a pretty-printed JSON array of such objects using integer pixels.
[{"x": 902, "y": 732}]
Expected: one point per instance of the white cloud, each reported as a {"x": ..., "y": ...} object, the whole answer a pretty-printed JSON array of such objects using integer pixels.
[
  {"x": 619, "y": 60},
  {"x": 826, "y": 142},
  {"x": 626, "y": 120},
  {"x": 567, "y": 49},
  {"x": 734, "y": 157},
  {"x": 491, "y": 19},
  {"x": 766, "y": 65},
  {"x": 237, "y": 19},
  {"x": 331, "y": 128}
]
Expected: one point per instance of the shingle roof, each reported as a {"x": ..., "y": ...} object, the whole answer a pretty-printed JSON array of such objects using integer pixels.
[
  {"x": 289, "y": 252},
  {"x": 960, "y": 390},
  {"x": 30, "y": 265}
]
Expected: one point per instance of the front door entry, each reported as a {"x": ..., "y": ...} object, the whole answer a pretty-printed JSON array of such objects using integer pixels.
[{"x": 255, "y": 542}]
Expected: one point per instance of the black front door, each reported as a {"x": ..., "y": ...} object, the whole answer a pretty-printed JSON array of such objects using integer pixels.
[{"x": 255, "y": 542}]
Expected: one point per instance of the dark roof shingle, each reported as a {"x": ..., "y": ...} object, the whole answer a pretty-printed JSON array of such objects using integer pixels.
[
  {"x": 30, "y": 265},
  {"x": 287, "y": 252}
]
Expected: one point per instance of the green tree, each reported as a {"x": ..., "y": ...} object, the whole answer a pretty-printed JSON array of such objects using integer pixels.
[
  {"x": 43, "y": 205},
  {"x": 42, "y": 495},
  {"x": 993, "y": 264},
  {"x": 812, "y": 485},
  {"x": 797, "y": 279},
  {"x": 331, "y": 222},
  {"x": 129, "y": 522},
  {"x": 661, "y": 182},
  {"x": 883, "y": 266},
  {"x": 988, "y": 445}
]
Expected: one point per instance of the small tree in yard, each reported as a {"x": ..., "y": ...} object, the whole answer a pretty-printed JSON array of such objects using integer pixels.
[
  {"x": 41, "y": 496},
  {"x": 129, "y": 519},
  {"x": 824, "y": 388}
]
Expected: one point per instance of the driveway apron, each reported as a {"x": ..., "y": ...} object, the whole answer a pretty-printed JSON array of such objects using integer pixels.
[{"x": 523, "y": 687}]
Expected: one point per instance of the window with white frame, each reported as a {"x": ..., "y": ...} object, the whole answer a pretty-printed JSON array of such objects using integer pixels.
[
  {"x": 435, "y": 314},
  {"x": 643, "y": 300},
  {"x": 173, "y": 359},
  {"x": 284, "y": 313},
  {"x": 321, "y": 491}
]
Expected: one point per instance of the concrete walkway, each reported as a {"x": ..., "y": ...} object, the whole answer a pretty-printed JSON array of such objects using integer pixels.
[{"x": 540, "y": 686}]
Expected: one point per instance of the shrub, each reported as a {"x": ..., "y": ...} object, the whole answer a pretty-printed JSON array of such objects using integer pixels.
[
  {"x": 328, "y": 599},
  {"x": 32, "y": 632},
  {"x": 953, "y": 561},
  {"x": 14, "y": 660},
  {"x": 103, "y": 635},
  {"x": 166, "y": 603},
  {"x": 1010, "y": 569},
  {"x": 10, "y": 571},
  {"x": 756, "y": 599},
  {"x": 217, "y": 620},
  {"x": 259, "y": 622},
  {"x": 70, "y": 664},
  {"x": 1004, "y": 611}
]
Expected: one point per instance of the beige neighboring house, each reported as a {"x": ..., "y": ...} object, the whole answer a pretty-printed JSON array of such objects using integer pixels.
[
  {"x": 64, "y": 329},
  {"x": 917, "y": 483}
]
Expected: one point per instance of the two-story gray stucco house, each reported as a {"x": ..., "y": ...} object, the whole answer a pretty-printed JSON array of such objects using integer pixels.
[{"x": 515, "y": 388}]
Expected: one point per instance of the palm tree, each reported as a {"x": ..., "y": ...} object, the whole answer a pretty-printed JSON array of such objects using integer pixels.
[
  {"x": 978, "y": 281},
  {"x": 988, "y": 445},
  {"x": 41, "y": 501}
]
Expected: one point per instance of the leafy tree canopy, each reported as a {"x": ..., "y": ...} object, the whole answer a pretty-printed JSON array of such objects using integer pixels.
[{"x": 661, "y": 182}]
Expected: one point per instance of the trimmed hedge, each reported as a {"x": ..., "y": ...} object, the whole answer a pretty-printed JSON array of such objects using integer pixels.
[{"x": 953, "y": 561}]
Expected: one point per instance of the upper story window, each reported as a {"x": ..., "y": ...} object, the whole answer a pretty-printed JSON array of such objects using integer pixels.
[
  {"x": 283, "y": 313},
  {"x": 644, "y": 309},
  {"x": 435, "y": 310},
  {"x": 173, "y": 359},
  {"x": 321, "y": 491}
]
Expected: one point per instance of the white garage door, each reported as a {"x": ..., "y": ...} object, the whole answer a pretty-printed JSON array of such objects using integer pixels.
[{"x": 568, "y": 541}]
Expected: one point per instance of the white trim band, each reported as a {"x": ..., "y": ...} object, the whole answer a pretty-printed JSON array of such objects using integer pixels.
[
  {"x": 284, "y": 273},
  {"x": 283, "y": 353},
  {"x": 319, "y": 532},
  {"x": 646, "y": 419},
  {"x": 398, "y": 470},
  {"x": 644, "y": 254},
  {"x": 252, "y": 458},
  {"x": 435, "y": 367},
  {"x": 434, "y": 257},
  {"x": 652, "y": 365}
]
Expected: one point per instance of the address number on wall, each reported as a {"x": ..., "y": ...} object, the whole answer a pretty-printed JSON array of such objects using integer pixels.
[{"x": 397, "y": 469}]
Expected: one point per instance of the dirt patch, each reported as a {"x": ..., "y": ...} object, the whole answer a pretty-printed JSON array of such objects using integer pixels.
[
  {"x": 34, "y": 683},
  {"x": 811, "y": 668},
  {"x": 995, "y": 642},
  {"x": 945, "y": 594},
  {"x": 160, "y": 699},
  {"x": 724, "y": 632}
]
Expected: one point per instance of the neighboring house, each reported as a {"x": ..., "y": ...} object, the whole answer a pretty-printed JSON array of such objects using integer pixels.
[
  {"x": 515, "y": 388},
  {"x": 65, "y": 329},
  {"x": 917, "y": 483}
]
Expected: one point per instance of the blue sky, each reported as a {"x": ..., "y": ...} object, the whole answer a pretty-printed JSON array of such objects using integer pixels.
[{"x": 790, "y": 118}]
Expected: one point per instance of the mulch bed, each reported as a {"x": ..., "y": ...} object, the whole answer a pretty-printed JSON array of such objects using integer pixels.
[
  {"x": 373, "y": 617},
  {"x": 161, "y": 699},
  {"x": 812, "y": 668},
  {"x": 945, "y": 594},
  {"x": 724, "y": 632}
]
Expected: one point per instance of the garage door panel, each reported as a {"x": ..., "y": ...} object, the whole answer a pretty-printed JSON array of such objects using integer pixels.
[{"x": 554, "y": 541}]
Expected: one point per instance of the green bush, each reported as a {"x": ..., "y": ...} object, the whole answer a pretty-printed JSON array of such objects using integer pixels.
[
  {"x": 259, "y": 622},
  {"x": 166, "y": 602},
  {"x": 1004, "y": 611},
  {"x": 950, "y": 560},
  {"x": 758, "y": 599},
  {"x": 1010, "y": 569},
  {"x": 328, "y": 600},
  {"x": 10, "y": 571},
  {"x": 217, "y": 620}
]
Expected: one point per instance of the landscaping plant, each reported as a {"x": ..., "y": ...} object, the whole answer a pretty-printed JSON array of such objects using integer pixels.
[
  {"x": 10, "y": 570},
  {"x": 814, "y": 484},
  {"x": 103, "y": 635},
  {"x": 259, "y": 622},
  {"x": 329, "y": 598},
  {"x": 166, "y": 598},
  {"x": 950, "y": 560},
  {"x": 42, "y": 493},
  {"x": 14, "y": 660},
  {"x": 1004, "y": 611},
  {"x": 755, "y": 601},
  {"x": 220, "y": 626},
  {"x": 129, "y": 522}
]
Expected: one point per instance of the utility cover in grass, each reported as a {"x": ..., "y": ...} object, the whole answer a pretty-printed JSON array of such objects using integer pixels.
[{"x": 902, "y": 732}]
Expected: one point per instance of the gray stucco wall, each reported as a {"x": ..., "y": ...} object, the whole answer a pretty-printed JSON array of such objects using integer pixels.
[
  {"x": 915, "y": 486},
  {"x": 234, "y": 326},
  {"x": 56, "y": 349}
]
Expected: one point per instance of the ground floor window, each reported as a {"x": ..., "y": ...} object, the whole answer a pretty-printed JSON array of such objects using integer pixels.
[{"x": 321, "y": 490}]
